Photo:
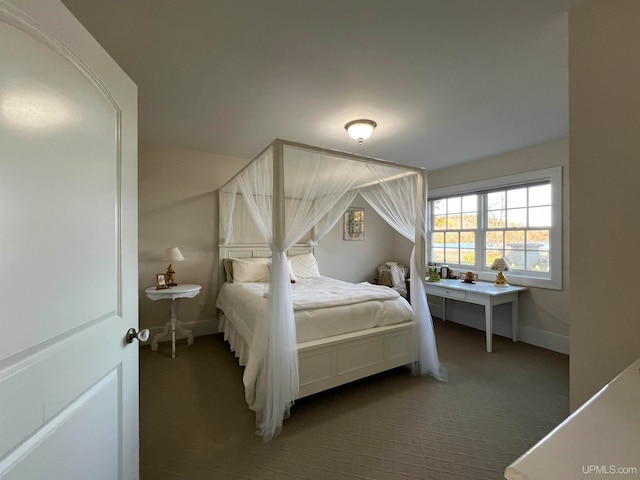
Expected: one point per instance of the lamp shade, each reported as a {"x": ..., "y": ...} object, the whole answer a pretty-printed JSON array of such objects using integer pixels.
[
  {"x": 500, "y": 265},
  {"x": 173, "y": 254},
  {"x": 360, "y": 129}
]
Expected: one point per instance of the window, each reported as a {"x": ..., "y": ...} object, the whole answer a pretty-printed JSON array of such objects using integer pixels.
[{"x": 517, "y": 218}]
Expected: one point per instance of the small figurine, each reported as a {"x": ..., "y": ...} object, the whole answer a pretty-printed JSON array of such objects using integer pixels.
[
  {"x": 501, "y": 281},
  {"x": 169, "y": 276},
  {"x": 501, "y": 265},
  {"x": 469, "y": 277}
]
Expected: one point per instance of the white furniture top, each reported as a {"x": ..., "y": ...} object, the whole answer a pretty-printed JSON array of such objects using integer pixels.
[
  {"x": 600, "y": 439},
  {"x": 483, "y": 288},
  {"x": 480, "y": 293},
  {"x": 187, "y": 290}
]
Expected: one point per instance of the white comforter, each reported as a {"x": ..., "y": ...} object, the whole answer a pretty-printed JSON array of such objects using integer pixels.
[
  {"x": 323, "y": 307},
  {"x": 323, "y": 292}
]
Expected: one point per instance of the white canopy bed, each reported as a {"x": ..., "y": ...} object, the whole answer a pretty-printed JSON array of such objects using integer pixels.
[{"x": 293, "y": 193}]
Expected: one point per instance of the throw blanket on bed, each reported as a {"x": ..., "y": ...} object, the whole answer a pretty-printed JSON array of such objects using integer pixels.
[{"x": 319, "y": 292}]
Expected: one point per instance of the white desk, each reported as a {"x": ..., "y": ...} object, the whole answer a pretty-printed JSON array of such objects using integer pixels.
[
  {"x": 173, "y": 294},
  {"x": 480, "y": 293},
  {"x": 601, "y": 439}
]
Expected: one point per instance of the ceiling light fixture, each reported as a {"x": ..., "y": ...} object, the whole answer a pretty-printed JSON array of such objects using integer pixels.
[{"x": 360, "y": 129}]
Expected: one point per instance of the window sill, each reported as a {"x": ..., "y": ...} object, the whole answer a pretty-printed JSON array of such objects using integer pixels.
[
  {"x": 523, "y": 280},
  {"x": 512, "y": 278}
]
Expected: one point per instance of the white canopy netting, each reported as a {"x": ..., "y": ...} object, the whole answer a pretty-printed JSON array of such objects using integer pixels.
[{"x": 292, "y": 192}]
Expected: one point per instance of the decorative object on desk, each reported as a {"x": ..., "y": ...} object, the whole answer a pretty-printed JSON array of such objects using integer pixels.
[
  {"x": 172, "y": 254},
  {"x": 444, "y": 272},
  {"x": 354, "y": 224},
  {"x": 470, "y": 277},
  {"x": 501, "y": 266},
  {"x": 501, "y": 281},
  {"x": 161, "y": 281},
  {"x": 434, "y": 276}
]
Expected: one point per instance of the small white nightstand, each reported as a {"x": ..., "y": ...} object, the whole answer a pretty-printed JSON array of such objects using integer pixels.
[{"x": 173, "y": 294}]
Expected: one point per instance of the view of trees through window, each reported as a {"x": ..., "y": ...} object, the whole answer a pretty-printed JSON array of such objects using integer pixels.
[{"x": 473, "y": 230}]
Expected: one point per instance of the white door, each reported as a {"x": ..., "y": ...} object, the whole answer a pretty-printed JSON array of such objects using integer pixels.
[{"x": 68, "y": 251}]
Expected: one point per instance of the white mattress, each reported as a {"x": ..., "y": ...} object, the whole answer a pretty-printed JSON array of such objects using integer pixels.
[{"x": 243, "y": 303}]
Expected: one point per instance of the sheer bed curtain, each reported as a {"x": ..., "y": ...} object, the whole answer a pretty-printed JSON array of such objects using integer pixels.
[
  {"x": 329, "y": 220},
  {"x": 312, "y": 183},
  {"x": 397, "y": 202}
]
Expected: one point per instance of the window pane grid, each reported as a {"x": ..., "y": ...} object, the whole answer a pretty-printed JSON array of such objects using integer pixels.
[
  {"x": 515, "y": 225},
  {"x": 454, "y": 224}
]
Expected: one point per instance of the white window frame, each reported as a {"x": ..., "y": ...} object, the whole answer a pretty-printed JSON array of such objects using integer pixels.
[{"x": 554, "y": 176}]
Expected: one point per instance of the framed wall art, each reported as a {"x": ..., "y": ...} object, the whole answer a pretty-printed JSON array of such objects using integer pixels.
[{"x": 353, "y": 224}]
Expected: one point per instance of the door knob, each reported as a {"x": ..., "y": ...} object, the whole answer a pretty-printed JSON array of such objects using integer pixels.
[{"x": 142, "y": 335}]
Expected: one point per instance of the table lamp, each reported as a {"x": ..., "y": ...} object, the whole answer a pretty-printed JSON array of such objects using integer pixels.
[
  {"x": 501, "y": 266},
  {"x": 172, "y": 254}
]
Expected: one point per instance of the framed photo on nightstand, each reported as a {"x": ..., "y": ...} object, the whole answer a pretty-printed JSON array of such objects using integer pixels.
[{"x": 161, "y": 281}]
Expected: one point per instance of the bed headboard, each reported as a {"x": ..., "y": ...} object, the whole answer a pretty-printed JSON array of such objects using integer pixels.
[{"x": 253, "y": 251}]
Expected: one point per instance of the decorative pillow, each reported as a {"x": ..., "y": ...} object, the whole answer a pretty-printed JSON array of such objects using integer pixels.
[
  {"x": 250, "y": 269},
  {"x": 291, "y": 274},
  {"x": 227, "y": 264},
  {"x": 304, "y": 265},
  {"x": 292, "y": 277}
]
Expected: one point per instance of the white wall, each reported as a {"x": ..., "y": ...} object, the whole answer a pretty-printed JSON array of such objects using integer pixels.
[
  {"x": 357, "y": 261},
  {"x": 604, "y": 86},
  {"x": 544, "y": 314},
  {"x": 178, "y": 206}
]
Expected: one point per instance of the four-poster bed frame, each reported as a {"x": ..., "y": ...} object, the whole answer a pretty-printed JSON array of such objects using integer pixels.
[
  {"x": 318, "y": 183},
  {"x": 340, "y": 359}
]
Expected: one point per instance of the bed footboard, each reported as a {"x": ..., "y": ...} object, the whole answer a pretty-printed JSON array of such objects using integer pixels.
[{"x": 325, "y": 364}]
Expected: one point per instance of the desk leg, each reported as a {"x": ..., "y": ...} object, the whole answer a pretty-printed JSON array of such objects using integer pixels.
[
  {"x": 444, "y": 309},
  {"x": 514, "y": 319},
  {"x": 488, "y": 315}
]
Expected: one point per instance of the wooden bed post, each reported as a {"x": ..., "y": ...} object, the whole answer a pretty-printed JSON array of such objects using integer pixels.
[
  {"x": 278, "y": 194},
  {"x": 420, "y": 246}
]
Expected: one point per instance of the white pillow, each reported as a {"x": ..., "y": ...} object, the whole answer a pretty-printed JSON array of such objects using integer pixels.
[
  {"x": 292, "y": 277},
  {"x": 251, "y": 269},
  {"x": 304, "y": 265}
]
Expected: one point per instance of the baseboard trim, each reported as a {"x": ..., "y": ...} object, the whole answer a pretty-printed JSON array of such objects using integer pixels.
[
  {"x": 542, "y": 338},
  {"x": 526, "y": 334},
  {"x": 199, "y": 328},
  {"x": 530, "y": 335}
]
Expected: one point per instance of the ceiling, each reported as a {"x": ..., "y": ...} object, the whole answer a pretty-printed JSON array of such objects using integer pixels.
[{"x": 447, "y": 81}]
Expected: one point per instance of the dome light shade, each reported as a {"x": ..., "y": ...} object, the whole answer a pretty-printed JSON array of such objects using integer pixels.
[{"x": 360, "y": 129}]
